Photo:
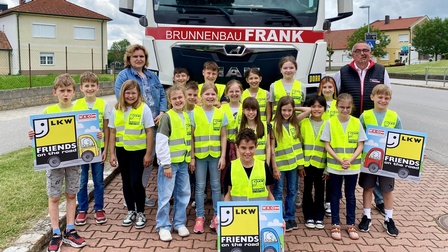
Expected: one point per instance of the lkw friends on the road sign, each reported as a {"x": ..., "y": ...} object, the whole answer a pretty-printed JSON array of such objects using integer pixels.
[
  {"x": 65, "y": 139},
  {"x": 394, "y": 153}
]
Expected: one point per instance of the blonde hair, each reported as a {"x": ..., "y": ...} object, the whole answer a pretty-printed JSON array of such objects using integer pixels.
[
  {"x": 210, "y": 65},
  {"x": 131, "y": 50},
  {"x": 208, "y": 86},
  {"x": 345, "y": 97},
  {"x": 88, "y": 77},
  {"x": 172, "y": 89},
  {"x": 382, "y": 89},
  {"x": 64, "y": 80},
  {"x": 127, "y": 85},
  {"x": 233, "y": 82}
]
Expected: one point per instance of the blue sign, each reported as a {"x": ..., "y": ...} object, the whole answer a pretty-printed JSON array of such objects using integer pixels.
[{"x": 371, "y": 43}]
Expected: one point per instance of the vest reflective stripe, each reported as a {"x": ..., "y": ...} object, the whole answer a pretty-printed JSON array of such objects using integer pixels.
[
  {"x": 288, "y": 153},
  {"x": 207, "y": 136},
  {"x": 180, "y": 137},
  {"x": 52, "y": 109},
  {"x": 314, "y": 149},
  {"x": 333, "y": 111},
  {"x": 130, "y": 134},
  {"x": 389, "y": 121},
  {"x": 344, "y": 143},
  {"x": 220, "y": 87},
  {"x": 280, "y": 91},
  {"x": 244, "y": 188},
  {"x": 232, "y": 125},
  {"x": 260, "y": 152},
  {"x": 99, "y": 105},
  {"x": 261, "y": 98}
]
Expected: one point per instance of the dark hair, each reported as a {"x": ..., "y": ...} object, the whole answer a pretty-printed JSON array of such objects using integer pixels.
[
  {"x": 179, "y": 70},
  {"x": 192, "y": 85},
  {"x": 324, "y": 80},
  {"x": 252, "y": 103},
  {"x": 285, "y": 59},
  {"x": 316, "y": 98},
  {"x": 247, "y": 135},
  {"x": 253, "y": 70}
]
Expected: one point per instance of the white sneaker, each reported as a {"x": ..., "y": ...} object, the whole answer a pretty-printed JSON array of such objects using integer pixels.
[
  {"x": 183, "y": 231},
  {"x": 298, "y": 200},
  {"x": 165, "y": 235},
  {"x": 193, "y": 204},
  {"x": 327, "y": 209}
]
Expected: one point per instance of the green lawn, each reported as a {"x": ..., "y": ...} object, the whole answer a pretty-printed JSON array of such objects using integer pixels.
[
  {"x": 23, "y": 194},
  {"x": 420, "y": 68},
  {"x": 23, "y": 81}
]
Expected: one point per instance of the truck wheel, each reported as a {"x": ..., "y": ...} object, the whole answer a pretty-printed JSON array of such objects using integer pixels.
[
  {"x": 403, "y": 173},
  {"x": 87, "y": 156},
  {"x": 373, "y": 167},
  {"x": 270, "y": 249},
  {"x": 54, "y": 161}
]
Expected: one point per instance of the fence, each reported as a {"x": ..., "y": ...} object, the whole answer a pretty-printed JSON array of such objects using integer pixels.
[{"x": 436, "y": 75}]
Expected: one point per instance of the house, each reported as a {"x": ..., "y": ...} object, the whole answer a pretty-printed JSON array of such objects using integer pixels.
[
  {"x": 5, "y": 55},
  {"x": 337, "y": 40},
  {"x": 54, "y": 36},
  {"x": 400, "y": 32}
]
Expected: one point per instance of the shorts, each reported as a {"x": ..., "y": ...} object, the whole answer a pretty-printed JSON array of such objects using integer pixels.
[
  {"x": 368, "y": 181},
  {"x": 55, "y": 178}
]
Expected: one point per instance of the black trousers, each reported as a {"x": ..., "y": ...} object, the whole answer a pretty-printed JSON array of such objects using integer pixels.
[{"x": 313, "y": 208}]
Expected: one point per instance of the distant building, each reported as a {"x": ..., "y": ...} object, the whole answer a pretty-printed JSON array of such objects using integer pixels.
[
  {"x": 54, "y": 36},
  {"x": 337, "y": 40}
]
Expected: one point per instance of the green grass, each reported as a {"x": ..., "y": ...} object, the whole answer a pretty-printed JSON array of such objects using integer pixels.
[
  {"x": 23, "y": 81},
  {"x": 420, "y": 68},
  {"x": 23, "y": 194}
]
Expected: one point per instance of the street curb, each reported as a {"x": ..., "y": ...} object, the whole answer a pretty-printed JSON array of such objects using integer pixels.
[
  {"x": 425, "y": 86},
  {"x": 36, "y": 238}
]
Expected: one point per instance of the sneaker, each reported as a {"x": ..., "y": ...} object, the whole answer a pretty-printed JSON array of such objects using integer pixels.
[
  {"x": 320, "y": 224},
  {"x": 288, "y": 226},
  {"x": 352, "y": 233},
  {"x": 130, "y": 217},
  {"x": 336, "y": 232},
  {"x": 310, "y": 224},
  {"x": 390, "y": 227},
  {"x": 100, "y": 217},
  {"x": 298, "y": 200},
  {"x": 165, "y": 235},
  {"x": 140, "y": 221},
  {"x": 380, "y": 208},
  {"x": 214, "y": 223},
  {"x": 364, "y": 225},
  {"x": 328, "y": 209},
  {"x": 293, "y": 224},
  {"x": 72, "y": 238},
  {"x": 149, "y": 202},
  {"x": 81, "y": 218},
  {"x": 199, "y": 225},
  {"x": 193, "y": 204},
  {"x": 183, "y": 231},
  {"x": 55, "y": 243}
]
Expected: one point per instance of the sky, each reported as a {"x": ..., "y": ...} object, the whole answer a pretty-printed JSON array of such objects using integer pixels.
[{"x": 126, "y": 27}]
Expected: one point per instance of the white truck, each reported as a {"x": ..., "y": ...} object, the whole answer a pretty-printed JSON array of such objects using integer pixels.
[{"x": 237, "y": 35}]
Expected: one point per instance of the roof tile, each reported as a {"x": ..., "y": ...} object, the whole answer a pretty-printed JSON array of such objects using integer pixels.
[
  {"x": 337, "y": 39},
  {"x": 397, "y": 24},
  {"x": 4, "y": 42}
]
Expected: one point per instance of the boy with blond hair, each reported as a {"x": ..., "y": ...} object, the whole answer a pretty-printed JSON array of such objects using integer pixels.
[{"x": 210, "y": 72}]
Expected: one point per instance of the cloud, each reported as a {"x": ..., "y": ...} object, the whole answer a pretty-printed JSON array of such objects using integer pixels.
[
  {"x": 382, "y": 140},
  {"x": 79, "y": 125},
  {"x": 263, "y": 217},
  {"x": 91, "y": 129},
  {"x": 275, "y": 223},
  {"x": 371, "y": 143}
]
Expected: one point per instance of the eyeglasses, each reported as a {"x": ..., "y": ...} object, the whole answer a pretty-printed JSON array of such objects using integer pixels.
[
  {"x": 363, "y": 50},
  {"x": 344, "y": 108}
]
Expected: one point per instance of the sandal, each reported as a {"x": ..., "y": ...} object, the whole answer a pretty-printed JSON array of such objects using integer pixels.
[
  {"x": 352, "y": 232},
  {"x": 336, "y": 232}
]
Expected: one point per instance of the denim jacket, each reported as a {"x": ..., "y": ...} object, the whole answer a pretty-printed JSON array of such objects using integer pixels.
[{"x": 157, "y": 91}]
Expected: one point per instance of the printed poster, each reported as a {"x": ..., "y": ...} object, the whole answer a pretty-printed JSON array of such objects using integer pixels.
[
  {"x": 65, "y": 139},
  {"x": 394, "y": 153},
  {"x": 250, "y": 226}
]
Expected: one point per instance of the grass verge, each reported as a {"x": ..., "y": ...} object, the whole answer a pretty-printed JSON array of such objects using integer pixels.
[
  {"x": 23, "y": 198},
  {"x": 436, "y": 68}
]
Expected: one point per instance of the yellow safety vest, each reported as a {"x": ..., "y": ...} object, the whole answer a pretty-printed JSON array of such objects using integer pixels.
[
  {"x": 333, "y": 111},
  {"x": 232, "y": 125},
  {"x": 288, "y": 153},
  {"x": 130, "y": 134},
  {"x": 180, "y": 138},
  {"x": 344, "y": 143},
  {"x": 52, "y": 109},
  {"x": 261, "y": 98},
  {"x": 220, "y": 87},
  {"x": 280, "y": 91},
  {"x": 389, "y": 121},
  {"x": 99, "y": 105},
  {"x": 248, "y": 189},
  {"x": 207, "y": 136},
  {"x": 260, "y": 152},
  {"x": 314, "y": 148}
]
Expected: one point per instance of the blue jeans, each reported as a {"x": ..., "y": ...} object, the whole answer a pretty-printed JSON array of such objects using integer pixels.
[
  {"x": 378, "y": 194},
  {"x": 291, "y": 193},
  {"x": 202, "y": 165},
  {"x": 336, "y": 194},
  {"x": 178, "y": 186},
  {"x": 98, "y": 187}
]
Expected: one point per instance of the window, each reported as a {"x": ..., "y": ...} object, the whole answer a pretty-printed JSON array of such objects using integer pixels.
[
  {"x": 385, "y": 57},
  {"x": 47, "y": 58},
  {"x": 84, "y": 32},
  {"x": 403, "y": 38},
  {"x": 44, "y": 31}
]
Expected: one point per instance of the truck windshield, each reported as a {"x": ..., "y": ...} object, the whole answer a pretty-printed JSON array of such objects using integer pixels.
[{"x": 258, "y": 13}]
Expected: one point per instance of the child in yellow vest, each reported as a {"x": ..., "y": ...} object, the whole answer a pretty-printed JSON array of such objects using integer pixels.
[
  {"x": 173, "y": 146},
  {"x": 380, "y": 115},
  {"x": 253, "y": 78},
  {"x": 89, "y": 87},
  {"x": 288, "y": 155},
  {"x": 344, "y": 139},
  {"x": 208, "y": 128},
  {"x": 180, "y": 76},
  {"x": 131, "y": 143},
  {"x": 210, "y": 72}
]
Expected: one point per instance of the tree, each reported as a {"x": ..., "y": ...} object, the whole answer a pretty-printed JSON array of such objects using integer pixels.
[
  {"x": 117, "y": 50},
  {"x": 330, "y": 53},
  {"x": 359, "y": 35},
  {"x": 430, "y": 37}
]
